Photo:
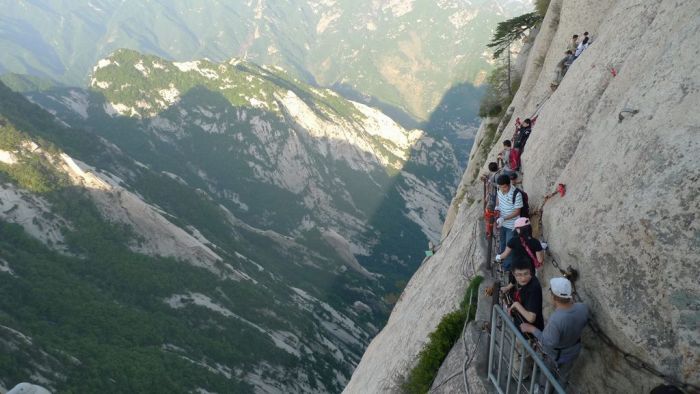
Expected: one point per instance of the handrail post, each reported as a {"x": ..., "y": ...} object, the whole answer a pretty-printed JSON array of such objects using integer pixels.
[{"x": 502, "y": 319}]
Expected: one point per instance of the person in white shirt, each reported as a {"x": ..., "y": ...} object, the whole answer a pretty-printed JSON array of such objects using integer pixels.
[{"x": 508, "y": 204}]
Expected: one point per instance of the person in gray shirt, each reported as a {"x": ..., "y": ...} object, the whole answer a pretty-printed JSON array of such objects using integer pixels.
[{"x": 561, "y": 337}]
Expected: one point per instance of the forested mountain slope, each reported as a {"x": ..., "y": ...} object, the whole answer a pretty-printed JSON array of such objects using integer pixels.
[{"x": 224, "y": 227}]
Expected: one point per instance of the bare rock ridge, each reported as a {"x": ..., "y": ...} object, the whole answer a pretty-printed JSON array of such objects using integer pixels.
[{"x": 629, "y": 221}]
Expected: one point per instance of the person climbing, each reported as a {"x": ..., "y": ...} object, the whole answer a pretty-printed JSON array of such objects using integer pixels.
[
  {"x": 515, "y": 180},
  {"x": 573, "y": 44},
  {"x": 525, "y": 291},
  {"x": 561, "y": 337},
  {"x": 581, "y": 47},
  {"x": 523, "y": 246},
  {"x": 510, "y": 157},
  {"x": 517, "y": 183},
  {"x": 504, "y": 156},
  {"x": 490, "y": 203},
  {"x": 527, "y": 294},
  {"x": 523, "y": 134},
  {"x": 563, "y": 67},
  {"x": 492, "y": 185},
  {"x": 508, "y": 203}
]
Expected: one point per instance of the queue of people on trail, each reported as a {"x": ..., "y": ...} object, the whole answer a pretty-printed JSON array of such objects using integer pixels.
[
  {"x": 573, "y": 50},
  {"x": 521, "y": 258}
]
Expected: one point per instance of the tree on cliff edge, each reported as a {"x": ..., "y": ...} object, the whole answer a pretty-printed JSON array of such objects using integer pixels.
[{"x": 507, "y": 33}]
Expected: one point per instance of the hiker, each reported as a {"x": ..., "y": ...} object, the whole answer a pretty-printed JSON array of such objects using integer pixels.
[
  {"x": 573, "y": 44},
  {"x": 527, "y": 294},
  {"x": 523, "y": 246},
  {"x": 581, "y": 47},
  {"x": 523, "y": 134},
  {"x": 508, "y": 203},
  {"x": 506, "y": 156},
  {"x": 515, "y": 181},
  {"x": 563, "y": 66},
  {"x": 561, "y": 337},
  {"x": 492, "y": 186},
  {"x": 491, "y": 189},
  {"x": 524, "y": 293},
  {"x": 587, "y": 38}
]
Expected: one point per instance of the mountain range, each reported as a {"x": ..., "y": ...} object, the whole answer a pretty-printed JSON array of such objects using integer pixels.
[
  {"x": 226, "y": 220},
  {"x": 405, "y": 54},
  {"x": 223, "y": 196}
]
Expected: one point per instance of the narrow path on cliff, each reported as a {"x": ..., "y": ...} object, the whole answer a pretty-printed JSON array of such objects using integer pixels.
[{"x": 502, "y": 276}]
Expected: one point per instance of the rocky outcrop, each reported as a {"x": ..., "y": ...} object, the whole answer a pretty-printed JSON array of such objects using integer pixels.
[
  {"x": 629, "y": 221},
  {"x": 436, "y": 289}
]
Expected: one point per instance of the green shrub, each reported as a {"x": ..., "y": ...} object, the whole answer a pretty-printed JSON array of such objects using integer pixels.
[
  {"x": 498, "y": 95},
  {"x": 488, "y": 141},
  {"x": 440, "y": 341},
  {"x": 473, "y": 287}
]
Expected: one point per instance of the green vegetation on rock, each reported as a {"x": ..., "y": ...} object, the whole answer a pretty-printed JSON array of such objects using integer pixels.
[
  {"x": 440, "y": 342},
  {"x": 212, "y": 162},
  {"x": 98, "y": 314}
]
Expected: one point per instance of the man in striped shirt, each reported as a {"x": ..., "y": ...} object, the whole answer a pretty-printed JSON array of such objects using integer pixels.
[{"x": 508, "y": 203}]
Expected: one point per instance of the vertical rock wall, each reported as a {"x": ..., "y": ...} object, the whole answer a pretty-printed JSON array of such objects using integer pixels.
[{"x": 629, "y": 221}]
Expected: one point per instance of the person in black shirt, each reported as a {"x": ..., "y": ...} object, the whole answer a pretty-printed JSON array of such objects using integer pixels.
[
  {"x": 523, "y": 134},
  {"x": 523, "y": 245},
  {"x": 527, "y": 295}
]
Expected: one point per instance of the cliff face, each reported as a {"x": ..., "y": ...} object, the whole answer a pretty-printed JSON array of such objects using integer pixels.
[{"x": 629, "y": 221}]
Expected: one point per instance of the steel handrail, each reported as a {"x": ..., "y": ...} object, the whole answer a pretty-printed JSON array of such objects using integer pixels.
[{"x": 501, "y": 321}]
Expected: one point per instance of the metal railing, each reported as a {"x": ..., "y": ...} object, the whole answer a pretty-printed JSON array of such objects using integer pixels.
[{"x": 514, "y": 367}]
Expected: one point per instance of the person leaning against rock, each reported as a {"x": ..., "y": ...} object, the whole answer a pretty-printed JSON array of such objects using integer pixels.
[
  {"x": 509, "y": 211},
  {"x": 573, "y": 44},
  {"x": 561, "y": 337}
]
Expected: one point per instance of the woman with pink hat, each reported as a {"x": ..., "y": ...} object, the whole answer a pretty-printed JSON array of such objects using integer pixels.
[{"x": 523, "y": 245}]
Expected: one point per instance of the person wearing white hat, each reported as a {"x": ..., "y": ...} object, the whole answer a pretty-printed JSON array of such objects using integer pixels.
[{"x": 561, "y": 337}]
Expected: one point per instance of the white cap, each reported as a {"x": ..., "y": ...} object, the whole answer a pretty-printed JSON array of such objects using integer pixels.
[
  {"x": 28, "y": 388},
  {"x": 561, "y": 287}
]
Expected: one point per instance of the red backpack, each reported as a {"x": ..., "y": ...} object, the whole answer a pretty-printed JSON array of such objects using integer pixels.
[{"x": 514, "y": 159}]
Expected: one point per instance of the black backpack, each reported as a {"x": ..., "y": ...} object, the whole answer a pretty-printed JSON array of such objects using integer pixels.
[{"x": 525, "y": 210}]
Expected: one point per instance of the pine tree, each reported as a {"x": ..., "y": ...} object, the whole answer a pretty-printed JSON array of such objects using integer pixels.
[{"x": 512, "y": 30}]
